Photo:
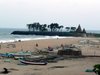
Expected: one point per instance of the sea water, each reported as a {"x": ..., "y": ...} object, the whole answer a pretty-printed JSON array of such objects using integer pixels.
[{"x": 6, "y": 36}]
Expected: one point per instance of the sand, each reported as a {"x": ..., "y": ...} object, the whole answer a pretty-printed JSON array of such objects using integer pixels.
[
  {"x": 71, "y": 66},
  {"x": 31, "y": 45}
]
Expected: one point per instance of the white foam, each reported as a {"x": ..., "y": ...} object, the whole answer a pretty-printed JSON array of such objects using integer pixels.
[
  {"x": 31, "y": 38},
  {"x": 5, "y": 41}
]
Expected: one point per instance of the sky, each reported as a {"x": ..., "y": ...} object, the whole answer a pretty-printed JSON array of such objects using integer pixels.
[{"x": 18, "y": 13}]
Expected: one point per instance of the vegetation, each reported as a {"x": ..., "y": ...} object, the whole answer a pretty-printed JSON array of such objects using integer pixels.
[
  {"x": 97, "y": 69},
  {"x": 53, "y": 27},
  {"x": 51, "y": 30}
]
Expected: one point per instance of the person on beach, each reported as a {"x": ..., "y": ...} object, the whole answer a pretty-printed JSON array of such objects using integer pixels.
[
  {"x": 36, "y": 45},
  {"x": 5, "y": 71},
  {"x": 19, "y": 40},
  {"x": 62, "y": 46},
  {"x": 50, "y": 48}
]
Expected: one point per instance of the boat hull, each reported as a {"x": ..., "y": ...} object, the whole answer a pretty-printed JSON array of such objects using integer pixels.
[{"x": 33, "y": 63}]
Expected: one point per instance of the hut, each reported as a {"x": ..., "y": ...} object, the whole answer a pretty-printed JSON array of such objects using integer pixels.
[{"x": 70, "y": 51}]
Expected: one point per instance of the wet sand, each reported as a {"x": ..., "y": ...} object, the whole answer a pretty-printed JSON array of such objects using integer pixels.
[{"x": 71, "y": 66}]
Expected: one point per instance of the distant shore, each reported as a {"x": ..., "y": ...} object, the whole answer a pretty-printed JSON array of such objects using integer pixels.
[{"x": 47, "y": 33}]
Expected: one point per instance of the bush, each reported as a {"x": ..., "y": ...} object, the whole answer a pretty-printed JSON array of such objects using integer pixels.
[{"x": 97, "y": 69}]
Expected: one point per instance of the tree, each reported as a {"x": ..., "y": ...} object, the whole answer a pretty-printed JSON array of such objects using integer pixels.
[
  {"x": 35, "y": 26},
  {"x": 79, "y": 30},
  {"x": 53, "y": 26},
  {"x": 29, "y": 26},
  {"x": 44, "y": 27},
  {"x": 60, "y": 27},
  {"x": 73, "y": 29},
  {"x": 68, "y": 29},
  {"x": 40, "y": 28}
]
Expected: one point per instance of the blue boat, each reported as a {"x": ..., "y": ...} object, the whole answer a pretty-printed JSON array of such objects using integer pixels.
[{"x": 33, "y": 63}]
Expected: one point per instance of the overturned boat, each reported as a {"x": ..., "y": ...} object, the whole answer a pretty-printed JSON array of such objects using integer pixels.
[{"x": 33, "y": 63}]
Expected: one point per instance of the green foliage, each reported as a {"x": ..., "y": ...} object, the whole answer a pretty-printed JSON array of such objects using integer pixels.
[
  {"x": 37, "y": 27},
  {"x": 73, "y": 29},
  {"x": 29, "y": 26},
  {"x": 97, "y": 66},
  {"x": 53, "y": 27},
  {"x": 68, "y": 29},
  {"x": 97, "y": 69}
]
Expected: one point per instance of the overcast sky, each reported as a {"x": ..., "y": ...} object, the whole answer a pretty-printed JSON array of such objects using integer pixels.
[{"x": 18, "y": 13}]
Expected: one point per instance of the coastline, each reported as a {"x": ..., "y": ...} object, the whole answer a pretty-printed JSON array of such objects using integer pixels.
[
  {"x": 30, "y": 44},
  {"x": 71, "y": 66},
  {"x": 14, "y": 39}
]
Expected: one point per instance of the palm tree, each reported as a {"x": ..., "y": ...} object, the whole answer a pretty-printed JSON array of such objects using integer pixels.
[
  {"x": 53, "y": 26},
  {"x": 56, "y": 25},
  {"x": 61, "y": 27},
  {"x": 73, "y": 29},
  {"x": 29, "y": 26},
  {"x": 37, "y": 26},
  {"x": 34, "y": 26},
  {"x": 40, "y": 28},
  {"x": 43, "y": 27},
  {"x": 68, "y": 29}
]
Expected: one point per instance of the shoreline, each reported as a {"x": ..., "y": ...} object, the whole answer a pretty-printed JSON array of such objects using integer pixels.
[
  {"x": 30, "y": 44},
  {"x": 69, "y": 66},
  {"x": 31, "y": 39}
]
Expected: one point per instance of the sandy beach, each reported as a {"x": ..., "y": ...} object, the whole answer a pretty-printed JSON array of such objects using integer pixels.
[
  {"x": 70, "y": 66},
  {"x": 31, "y": 45}
]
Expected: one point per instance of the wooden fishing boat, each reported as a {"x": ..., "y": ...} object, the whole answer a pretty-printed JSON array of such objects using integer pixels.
[{"x": 33, "y": 63}]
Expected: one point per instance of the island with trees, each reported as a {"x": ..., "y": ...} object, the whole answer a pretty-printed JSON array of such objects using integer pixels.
[{"x": 51, "y": 30}]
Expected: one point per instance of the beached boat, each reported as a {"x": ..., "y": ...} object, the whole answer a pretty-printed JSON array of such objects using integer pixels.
[
  {"x": 19, "y": 55},
  {"x": 33, "y": 63}
]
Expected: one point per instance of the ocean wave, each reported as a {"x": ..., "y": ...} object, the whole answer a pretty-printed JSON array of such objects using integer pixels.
[{"x": 32, "y": 38}]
